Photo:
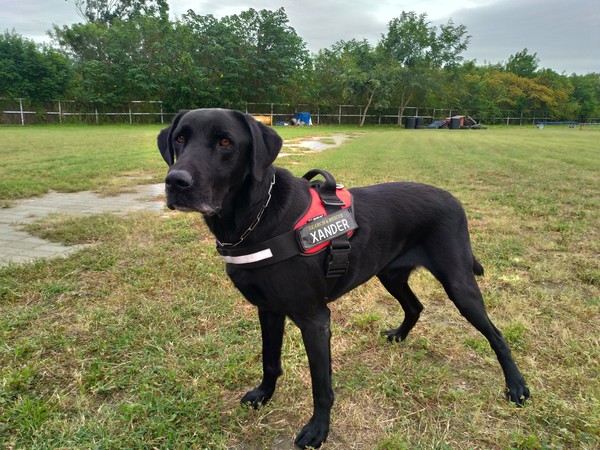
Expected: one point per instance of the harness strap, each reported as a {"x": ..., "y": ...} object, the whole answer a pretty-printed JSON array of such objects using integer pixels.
[
  {"x": 338, "y": 260},
  {"x": 265, "y": 253}
]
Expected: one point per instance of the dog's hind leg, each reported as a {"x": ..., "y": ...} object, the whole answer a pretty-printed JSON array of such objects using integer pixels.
[
  {"x": 399, "y": 288},
  {"x": 460, "y": 285},
  {"x": 272, "y": 327}
]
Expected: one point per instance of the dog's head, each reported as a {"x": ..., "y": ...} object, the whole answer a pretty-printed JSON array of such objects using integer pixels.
[{"x": 211, "y": 152}]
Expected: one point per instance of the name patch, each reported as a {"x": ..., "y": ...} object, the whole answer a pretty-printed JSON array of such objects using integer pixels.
[{"x": 325, "y": 229}]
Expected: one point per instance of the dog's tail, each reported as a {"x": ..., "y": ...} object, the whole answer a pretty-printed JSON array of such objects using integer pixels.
[{"x": 477, "y": 267}]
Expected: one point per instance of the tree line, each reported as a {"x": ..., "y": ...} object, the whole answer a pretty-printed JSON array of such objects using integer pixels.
[{"x": 125, "y": 50}]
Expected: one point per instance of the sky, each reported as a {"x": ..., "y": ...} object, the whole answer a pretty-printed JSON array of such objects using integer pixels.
[{"x": 564, "y": 34}]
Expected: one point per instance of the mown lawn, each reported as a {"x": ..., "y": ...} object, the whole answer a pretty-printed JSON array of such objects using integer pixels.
[{"x": 140, "y": 341}]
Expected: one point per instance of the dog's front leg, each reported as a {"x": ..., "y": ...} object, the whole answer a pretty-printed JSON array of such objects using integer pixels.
[
  {"x": 272, "y": 326},
  {"x": 316, "y": 334}
]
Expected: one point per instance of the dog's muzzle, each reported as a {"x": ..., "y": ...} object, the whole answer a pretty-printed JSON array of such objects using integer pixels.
[
  {"x": 178, "y": 187},
  {"x": 177, "y": 183}
]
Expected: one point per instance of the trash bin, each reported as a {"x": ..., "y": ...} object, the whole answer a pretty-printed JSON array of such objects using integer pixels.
[
  {"x": 411, "y": 123},
  {"x": 419, "y": 124},
  {"x": 455, "y": 123}
]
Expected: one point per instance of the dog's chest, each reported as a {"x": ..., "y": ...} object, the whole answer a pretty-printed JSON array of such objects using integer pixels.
[{"x": 293, "y": 284}]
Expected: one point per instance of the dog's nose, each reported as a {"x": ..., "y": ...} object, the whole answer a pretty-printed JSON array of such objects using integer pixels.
[{"x": 178, "y": 179}]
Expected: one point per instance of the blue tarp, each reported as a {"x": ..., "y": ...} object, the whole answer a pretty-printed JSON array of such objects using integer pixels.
[{"x": 304, "y": 117}]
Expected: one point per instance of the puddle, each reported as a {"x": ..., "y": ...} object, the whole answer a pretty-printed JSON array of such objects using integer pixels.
[{"x": 314, "y": 144}]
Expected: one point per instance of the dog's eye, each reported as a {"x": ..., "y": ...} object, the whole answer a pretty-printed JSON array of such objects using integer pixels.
[
  {"x": 180, "y": 139},
  {"x": 224, "y": 142}
]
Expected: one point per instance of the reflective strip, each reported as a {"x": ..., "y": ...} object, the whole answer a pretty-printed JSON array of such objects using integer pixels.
[{"x": 250, "y": 258}]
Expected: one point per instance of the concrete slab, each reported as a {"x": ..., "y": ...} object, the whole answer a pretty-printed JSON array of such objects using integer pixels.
[{"x": 18, "y": 246}]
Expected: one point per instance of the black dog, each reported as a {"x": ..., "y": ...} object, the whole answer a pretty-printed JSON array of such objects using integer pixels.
[{"x": 221, "y": 165}]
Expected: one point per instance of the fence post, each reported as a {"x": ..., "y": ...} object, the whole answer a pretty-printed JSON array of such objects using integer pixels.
[
  {"x": 340, "y": 115},
  {"x": 130, "y": 118},
  {"x": 59, "y": 112},
  {"x": 21, "y": 111},
  {"x": 162, "y": 118}
]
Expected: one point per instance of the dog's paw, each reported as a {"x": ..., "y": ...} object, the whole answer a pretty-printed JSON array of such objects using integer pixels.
[
  {"x": 518, "y": 392},
  {"x": 313, "y": 434},
  {"x": 257, "y": 397},
  {"x": 395, "y": 335}
]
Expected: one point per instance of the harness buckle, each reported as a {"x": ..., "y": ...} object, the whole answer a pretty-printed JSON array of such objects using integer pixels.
[
  {"x": 338, "y": 259},
  {"x": 331, "y": 200}
]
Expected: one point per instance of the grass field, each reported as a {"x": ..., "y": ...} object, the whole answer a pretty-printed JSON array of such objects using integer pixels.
[{"x": 140, "y": 341}]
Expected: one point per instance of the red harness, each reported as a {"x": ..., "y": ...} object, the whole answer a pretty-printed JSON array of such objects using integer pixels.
[
  {"x": 327, "y": 223},
  {"x": 316, "y": 210}
]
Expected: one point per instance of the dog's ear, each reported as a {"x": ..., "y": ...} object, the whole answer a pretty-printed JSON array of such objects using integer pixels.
[
  {"x": 166, "y": 150},
  {"x": 266, "y": 144},
  {"x": 165, "y": 141}
]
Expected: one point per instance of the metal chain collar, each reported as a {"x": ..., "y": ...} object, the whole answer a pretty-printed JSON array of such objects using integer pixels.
[{"x": 253, "y": 224}]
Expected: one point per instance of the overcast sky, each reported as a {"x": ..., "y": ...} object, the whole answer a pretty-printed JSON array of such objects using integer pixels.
[{"x": 565, "y": 34}]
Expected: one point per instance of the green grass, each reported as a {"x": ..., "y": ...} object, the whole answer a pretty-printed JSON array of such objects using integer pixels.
[
  {"x": 70, "y": 158},
  {"x": 140, "y": 341}
]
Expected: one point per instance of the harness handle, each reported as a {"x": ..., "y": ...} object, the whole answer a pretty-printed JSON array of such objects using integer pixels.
[{"x": 326, "y": 189}]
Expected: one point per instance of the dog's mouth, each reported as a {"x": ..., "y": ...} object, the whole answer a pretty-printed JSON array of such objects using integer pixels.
[
  {"x": 185, "y": 199},
  {"x": 203, "y": 209},
  {"x": 208, "y": 211}
]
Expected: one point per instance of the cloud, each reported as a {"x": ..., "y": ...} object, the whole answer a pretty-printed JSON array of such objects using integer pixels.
[
  {"x": 35, "y": 18},
  {"x": 564, "y": 34}
]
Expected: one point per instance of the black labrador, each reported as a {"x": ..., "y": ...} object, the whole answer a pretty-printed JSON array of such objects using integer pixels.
[{"x": 221, "y": 165}]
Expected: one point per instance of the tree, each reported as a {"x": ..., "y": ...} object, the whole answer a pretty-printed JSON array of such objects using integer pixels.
[
  {"x": 564, "y": 105},
  {"x": 586, "y": 92},
  {"x": 120, "y": 62},
  {"x": 196, "y": 61},
  {"x": 357, "y": 71},
  {"x": 30, "y": 70},
  {"x": 254, "y": 56},
  {"x": 523, "y": 64},
  {"x": 118, "y": 52},
  {"x": 109, "y": 11},
  {"x": 270, "y": 54},
  {"x": 421, "y": 50},
  {"x": 509, "y": 91}
]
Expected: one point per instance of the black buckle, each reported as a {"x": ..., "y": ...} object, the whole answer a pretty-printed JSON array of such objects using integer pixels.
[
  {"x": 331, "y": 200},
  {"x": 339, "y": 258}
]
